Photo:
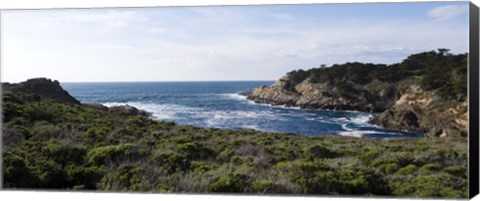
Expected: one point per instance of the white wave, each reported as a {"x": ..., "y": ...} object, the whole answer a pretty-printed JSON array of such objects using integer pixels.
[
  {"x": 216, "y": 118},
  {"x": 351, "y": 132},
  {"x": 159, "y": 111},
  {"x": 245, "y": 119},
  {"x": 253, "y": 126},
  {"x": 359, "y": 119},
  {"x": 359, "y": 133},
  {"x": 235, "y": 96},
  {"x": 287, "y": 107},
  {"x": 275, "y": 106},
  {"x": 345, "y": 127}
]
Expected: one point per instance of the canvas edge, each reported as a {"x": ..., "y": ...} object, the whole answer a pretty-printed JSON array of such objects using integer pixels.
[{"x": 473, "y": 101}]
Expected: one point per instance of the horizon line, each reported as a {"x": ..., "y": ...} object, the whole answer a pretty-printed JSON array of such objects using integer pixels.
[{"x": 167, "y": 81}]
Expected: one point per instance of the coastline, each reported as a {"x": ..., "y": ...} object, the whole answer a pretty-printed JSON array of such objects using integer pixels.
[
  {"x": 347, "y": 130},
  {"x": 344, "y": 122},
  {"x": 83, "y": 147},
  {"x": 407, "y": 95}
]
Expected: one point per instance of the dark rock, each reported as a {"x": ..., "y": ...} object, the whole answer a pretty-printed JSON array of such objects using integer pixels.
[
  {"x": 417, "y": 119},
  {"x": 97, "y": 106},
  {"x": 129, "y": 110},
  {"x": 402, "y": 117}
]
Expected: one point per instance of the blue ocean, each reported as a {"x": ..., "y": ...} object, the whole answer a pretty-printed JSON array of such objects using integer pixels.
[{"x": 218, "y": 105}]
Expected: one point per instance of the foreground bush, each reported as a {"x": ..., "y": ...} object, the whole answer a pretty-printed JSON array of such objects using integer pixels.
[{"x": 55, "y": 145}]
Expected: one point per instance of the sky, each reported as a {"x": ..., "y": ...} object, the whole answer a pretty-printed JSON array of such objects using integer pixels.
[{"x": 222, "y": 42}]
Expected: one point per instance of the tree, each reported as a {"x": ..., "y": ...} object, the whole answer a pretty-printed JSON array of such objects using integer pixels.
[{"x": 443, "y": 51}]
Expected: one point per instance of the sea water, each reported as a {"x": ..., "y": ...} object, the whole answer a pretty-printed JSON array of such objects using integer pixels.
[{"x": 218, "y": 105}]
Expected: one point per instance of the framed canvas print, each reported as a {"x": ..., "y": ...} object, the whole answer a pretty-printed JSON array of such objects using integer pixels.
[{"x": 358, "y": 100}]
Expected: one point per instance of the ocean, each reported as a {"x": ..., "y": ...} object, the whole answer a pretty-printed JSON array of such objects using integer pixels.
[{"x": 218, "y": 105}]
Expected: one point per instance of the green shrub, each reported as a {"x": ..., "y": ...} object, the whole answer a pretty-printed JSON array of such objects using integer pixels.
[
  {"x": 200, "y": 167},
  {"x": 264, "y": 186},
  {"x": 51, "y": 174},
  {"x": 171, "y": 160},
  {"x": 84, "y": 177},
  {"x": 391, "y": 168},
  {"x": 429, "y": 186},
  {"x": 196, "y": 151},
  {"x": 125, "y": 178},
  {"x": 431, "y": 167},
  {"x": 318, "y": 151},
  {"x": 101, "y": 155},
  {"x": 408, "y": 170},
  {"x": 16, "y": 172},
  {"x": 456, "y": 170},
  {"x": 369, "y": 156},
  {"x": 229, "y": 183}
]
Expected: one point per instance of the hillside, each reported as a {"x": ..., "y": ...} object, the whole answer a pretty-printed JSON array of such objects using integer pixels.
[
  {"x": 42, "y": 87},
  {"x": 426, "y": 92},
  {"x": 54, "y": 144}
]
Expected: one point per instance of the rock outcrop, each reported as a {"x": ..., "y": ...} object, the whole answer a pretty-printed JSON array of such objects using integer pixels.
[
  {"x": 448, "y": 123},
  {"x": 308, "y": 95},
  {"x": 129, "y": 110},
  {"x": 46, "y": 88},
  {"x": 426, "y": 93},
  {"x": 42, "y": 87}
]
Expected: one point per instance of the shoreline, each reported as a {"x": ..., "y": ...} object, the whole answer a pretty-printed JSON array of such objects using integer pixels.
[
  {"x": 104, "y": 149},
  {"x": 347, "y": 132},
  {"x": 373, "y": 114}
]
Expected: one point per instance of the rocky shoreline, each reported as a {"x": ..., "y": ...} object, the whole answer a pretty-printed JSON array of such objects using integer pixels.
[
  {"x": 318, "y": 96},
  {"x": 404, "y": 104},
  {"x": 411, "y": 116}
]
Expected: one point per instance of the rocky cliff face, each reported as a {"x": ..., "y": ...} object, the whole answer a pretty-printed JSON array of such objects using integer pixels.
[
  {"x": 308, "y": 95},
  {"x": 422, "y": 111},
  {"x": 412, "y": 117},
  {"x": 425, "y": 93}
]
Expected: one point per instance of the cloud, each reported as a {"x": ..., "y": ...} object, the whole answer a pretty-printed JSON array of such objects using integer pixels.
[
  {"x": 170, "y": 60},
  {"x": 156, "y": 30},
  {"x": 106, "y": 19},
  {"x": 110, "y": 18},
  {"x": 443, "y": 13},
  {"x": 219, "y": 44},
  {"x": 118, "y": 47}
]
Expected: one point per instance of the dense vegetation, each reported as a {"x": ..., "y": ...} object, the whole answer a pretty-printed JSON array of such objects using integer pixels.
[
  {"x": 437, "y": 71},
  {"x": 50, "y": 144}
]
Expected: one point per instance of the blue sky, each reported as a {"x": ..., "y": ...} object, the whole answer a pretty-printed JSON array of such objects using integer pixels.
[{"x": 221, "y": 43}]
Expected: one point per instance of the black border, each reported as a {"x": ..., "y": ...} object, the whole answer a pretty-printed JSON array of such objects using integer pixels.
[{"x": 473, "y": 172}]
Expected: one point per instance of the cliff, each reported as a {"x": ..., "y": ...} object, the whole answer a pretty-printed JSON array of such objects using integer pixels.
[
  {"x": 42, "y": 87},
  {"x": 46, "y": 88},
  {"x": 424, "y": 93}
]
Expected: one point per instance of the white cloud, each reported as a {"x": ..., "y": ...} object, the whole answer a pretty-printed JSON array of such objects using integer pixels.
[
  {"x": 122, "y": 47},
  {"x": 151, "y": 46},
  {"x": 109, "y": 18},
  {"x": 161, "y": 61},
  {"x": 106, "y": 19},
  {"x": 156, "y": 30},
  {"x": 443, "y": 13}
]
